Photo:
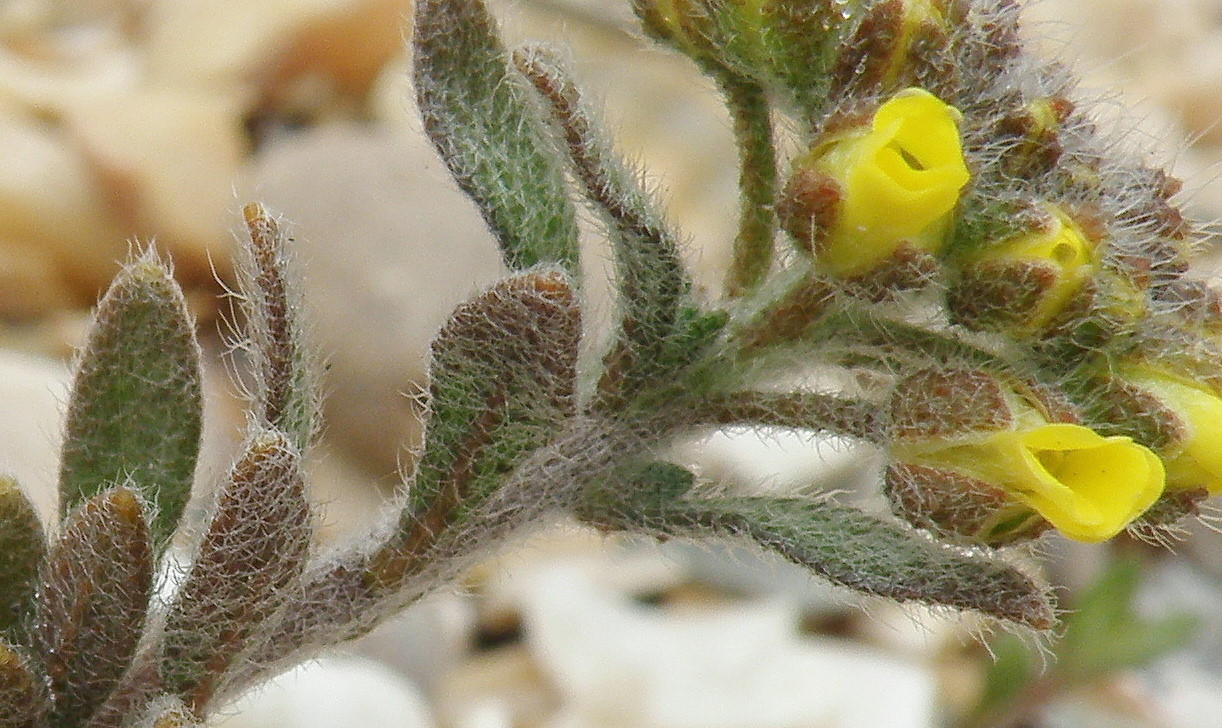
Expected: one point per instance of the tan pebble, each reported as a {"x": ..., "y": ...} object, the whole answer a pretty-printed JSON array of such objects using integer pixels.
[
  {"x": 30, "y": 286},
  {"x": 165, "y": 163},
  {"x": 272, "y": 45},
  {"x": 48, "y": 205}
]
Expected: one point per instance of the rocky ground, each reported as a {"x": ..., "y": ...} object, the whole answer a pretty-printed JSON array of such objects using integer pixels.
[{"x": 126, "y": 120}]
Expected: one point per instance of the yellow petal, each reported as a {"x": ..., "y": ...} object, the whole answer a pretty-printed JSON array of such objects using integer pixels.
[
  {"x": 900, "y": 181},
  {"x": 1196, "y": 461},
  {"x": 1066, "y": 248},
  {"x": 1088, "y": 486}
]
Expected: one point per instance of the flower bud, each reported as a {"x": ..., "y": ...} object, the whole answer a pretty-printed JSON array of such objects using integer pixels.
[
  {"x": 897, "y": 42},
  {"x": 993, "y": 447},
  {"x": 862, "y": 194},
  {"x": 1023, "y": 283},
  {"x": 785, "y": 45},
  {"x": 957, "y": 506},
  {"x": 674, "y": 22},
  {"x": 1033, "y": 131}
]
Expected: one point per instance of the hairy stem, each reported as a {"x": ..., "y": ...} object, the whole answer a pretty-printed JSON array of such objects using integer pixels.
[{"x": 748, "y": 105}]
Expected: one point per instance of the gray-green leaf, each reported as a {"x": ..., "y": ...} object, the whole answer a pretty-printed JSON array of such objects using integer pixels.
[
  {"x": 502, "y": 381},
  {"x": 136, "y": 405},
  {"x": 284, "y": 395},
  {"x": 94, "y": 594},
  {"x": 858, "y": 551},
  {"x": 503, "y": 378},
  {"x": 477, "y": 112},
  {"x": 23, "y": 701},
  {"x": 22, "y": 548},
  {"x": 246, "y": 566},
  {"x": 652, "y": 284}
]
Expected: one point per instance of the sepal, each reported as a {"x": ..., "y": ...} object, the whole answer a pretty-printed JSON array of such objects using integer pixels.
[{"x": 1023, "y": 283}]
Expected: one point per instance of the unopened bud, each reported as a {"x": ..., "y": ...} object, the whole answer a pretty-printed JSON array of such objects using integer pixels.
[
  {"x": 785, "y": 45},
  {"x": 1023, "y": 283},
  {"x": 897, "y": 42},
  {"x": 1035, "y": 130},
  {"x": 957, "y": 506}
]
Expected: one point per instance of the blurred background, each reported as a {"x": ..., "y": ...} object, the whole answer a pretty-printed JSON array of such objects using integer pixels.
[{"x": 125, "y": 121}]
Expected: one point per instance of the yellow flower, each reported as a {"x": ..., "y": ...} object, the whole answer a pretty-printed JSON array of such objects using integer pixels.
[
  {"x": 1088, "y": 486},
  {"x": 897, "y": 181},
  {"x": 1194, "y": 458},
  {"x": 1060, "y": 246}
]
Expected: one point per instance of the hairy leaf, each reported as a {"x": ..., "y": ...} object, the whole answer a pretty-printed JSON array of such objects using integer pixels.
[
  {"x": 141, "y": 681},
  {"x": 94, "y": 594},
  {"x": 136, "y": 403},
  {"x": 23, "y": 700},
  {"x": 253, "y": 550},
  {"x": 22, "y": 548},
  {"x": 502, "y": 385},
  {"x": 795, "y": 410},
  {"x": 503, "y": 379},
  {"x": 849, "y": 548},
  {"x": 284, "y": 396},
  {"x": 477, "y": 112},
  {"x": 650, "y": 276}
]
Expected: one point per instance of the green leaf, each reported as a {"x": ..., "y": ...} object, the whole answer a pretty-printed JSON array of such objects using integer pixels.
[
  {"x": 23, "y": 700},
  {"x": 96, "y": 585},
  {"x": 22, "y": 548},
  {"x": 284, "y": 396},
  {"x": 651, "y": 282},
  {"x": 136, "y": 405},
  {"x": 478, "y": 114},
  {"x": 250, "y": 555},
  {"x": 858, "y": 551},
  {"x": 502, "y": 384}
]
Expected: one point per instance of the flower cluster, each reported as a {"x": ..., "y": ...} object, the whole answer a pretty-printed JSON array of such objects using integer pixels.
[{"x": 929, "y": 175}]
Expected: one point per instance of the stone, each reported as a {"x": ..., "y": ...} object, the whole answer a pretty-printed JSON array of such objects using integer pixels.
[
  {"x": 32, "y": 391},
  {"x": 334, "y": 691},
  {"x": 620, "y": 663}
]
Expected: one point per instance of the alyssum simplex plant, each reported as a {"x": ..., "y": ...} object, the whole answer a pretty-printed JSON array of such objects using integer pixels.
[{"x": 1001, "y": 288}]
